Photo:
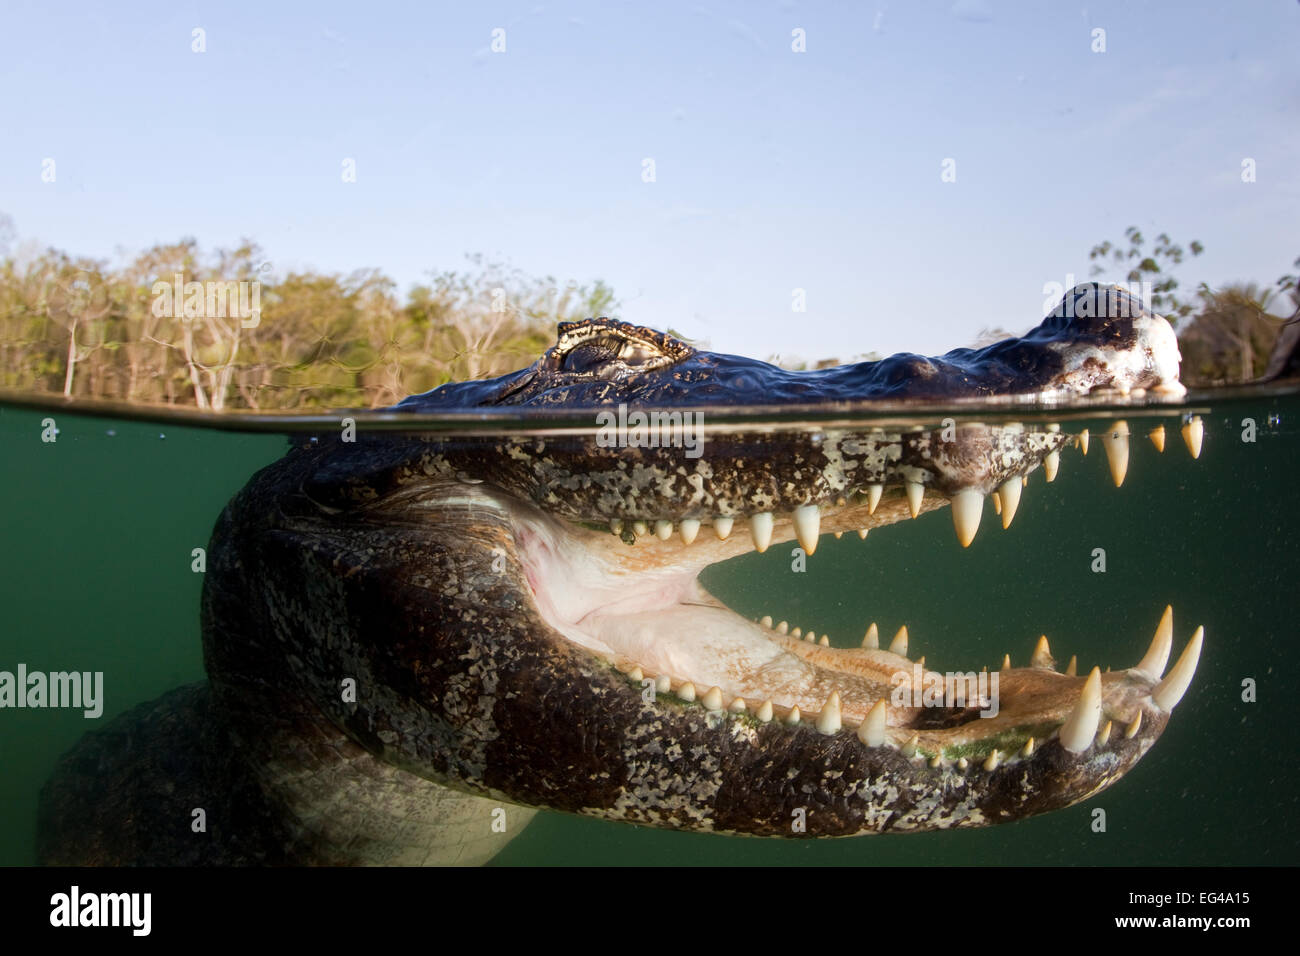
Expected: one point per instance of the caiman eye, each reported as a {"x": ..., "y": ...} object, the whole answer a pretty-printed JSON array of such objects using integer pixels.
[{"x": 598, "y": 356}]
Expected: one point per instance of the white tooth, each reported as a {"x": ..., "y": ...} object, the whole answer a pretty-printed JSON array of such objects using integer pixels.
[
  {"x": 738, "y": 706},
  {"x": 1115, "y": 441},
  {"x": 722, "y": 527},
  {"x": 838, "y": 534},
  {"x": 962, "y": 763},
  {"x": 862, "y": 533},
  {"x": 841, "y": 501},
  {"x": 872, "y": 729},
  {"x": 764, "y": 712},
  {"x": 1131, "y": 731},
  {"x": 1051, "y": 465},
  {"x": 635, "y": 675},
  {"x": 1010, "y": 492},
  {"x": 1157, "y": 656},
  {"x": 1083, "y": 441},
  {"x": 686, "y": 691},
  {"x": 616, "y": 526},
  {"x": 1006, "y": 662},
  {"x": 1170, "y": 690},
  {"x": 921, "y": 662},
  {"x": 909, "y": 748},
  {"x": 1042, "y": 656},
  {"x": 899, "y": 644},
  {"x": 1072, "y": 668},
  {"x": 1028, "y": 749},
  {"x": 936, "y": 761},
  {"x": 797, "y": 632},
  {"x": 663, "y": 529},
  {"x": 1158, "y": 437},
  {"x": 663, "y": 684},
  {"x": 807, "y": 526},
  {"x": 765, "y": 620},
  {"x": 997, "y": 502},
  {"x": 690, "y": 529},
  {"x": 967, "y": 508},
  {"x": 915, "y": 492},
  {"x": 783, "y": 627},
  {"x": 760, "y": 526},
  {"x": 825, "y": 640},
  {"x": 811, "y": 637},
  {"x": 993, "y": 760},
  {"x": 1193, "y": 435},
  {"x": 1103, "y": 735},
  {"x": 793, "y": 717},
  {"x": 828, "y": 721},
  {"x": 1024, "y": 481},
  {"x": 712, "y": 700},
  {"x": 873, "y": 497},
  {"x": 640, "y": 528},
  {"x": 1080, "y": 728},
  {"x": 871, "y": 639}
]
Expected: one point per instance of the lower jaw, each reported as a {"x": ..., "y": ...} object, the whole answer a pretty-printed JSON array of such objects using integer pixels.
[{"x": 684, "y": 644}]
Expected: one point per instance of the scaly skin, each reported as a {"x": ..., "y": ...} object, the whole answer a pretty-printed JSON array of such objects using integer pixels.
[{"x": 504, "y": 646}]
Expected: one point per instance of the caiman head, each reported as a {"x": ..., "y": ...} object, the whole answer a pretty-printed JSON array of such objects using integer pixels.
[{"x": 521, "y": 616}]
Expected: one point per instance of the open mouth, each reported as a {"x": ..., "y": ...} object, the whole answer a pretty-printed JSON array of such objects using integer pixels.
[
  {"x": 633, "y": 599},
  {"x": 523, "y": 619}
]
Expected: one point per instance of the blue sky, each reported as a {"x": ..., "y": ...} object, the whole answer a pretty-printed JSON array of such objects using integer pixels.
[{"x": 774, "y": 170}]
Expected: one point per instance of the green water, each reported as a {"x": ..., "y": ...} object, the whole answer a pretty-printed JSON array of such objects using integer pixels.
[{"x": 95, "y": 575}]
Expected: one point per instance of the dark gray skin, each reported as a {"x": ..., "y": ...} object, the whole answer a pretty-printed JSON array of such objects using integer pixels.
[
  {"x": 1098, "y": 337},
  {"x": 426, "y": 571}
]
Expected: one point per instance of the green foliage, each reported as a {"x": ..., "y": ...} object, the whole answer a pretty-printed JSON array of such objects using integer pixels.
[
  {"x": 1230, "y": 338},
  {"x": 1225, "y": 335},
  {"x": 1154, "y": 266},
  {"x": 79, "y": 327}
]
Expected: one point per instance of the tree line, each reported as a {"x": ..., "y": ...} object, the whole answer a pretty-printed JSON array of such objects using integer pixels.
[
  {"x": 223, "y": 330},
  {"x": 218, "y": 330}
]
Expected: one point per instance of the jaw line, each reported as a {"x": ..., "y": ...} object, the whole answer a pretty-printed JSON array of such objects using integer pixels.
[{"x": 641, "y": 609}]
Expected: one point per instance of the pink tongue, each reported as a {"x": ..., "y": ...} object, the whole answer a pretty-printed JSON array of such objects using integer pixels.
[{"x": 712, "y": 646}]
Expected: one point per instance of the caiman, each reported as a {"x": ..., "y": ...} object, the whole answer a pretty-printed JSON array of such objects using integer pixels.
[{"x": 413, "y": 641}]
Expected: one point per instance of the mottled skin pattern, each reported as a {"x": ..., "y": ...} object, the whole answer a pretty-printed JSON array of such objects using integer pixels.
[
  {"x": 411, "y": 569},
  {"x": 572, "y": 477},
  {"x": 502, "y": 705}
]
